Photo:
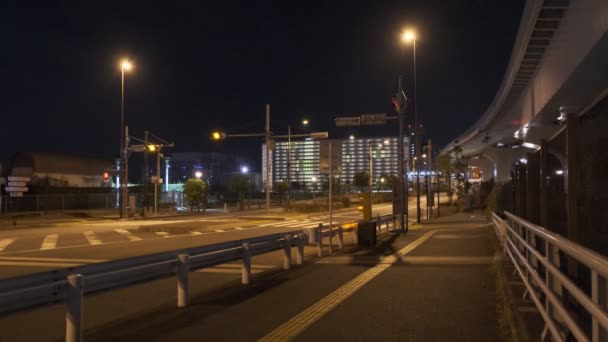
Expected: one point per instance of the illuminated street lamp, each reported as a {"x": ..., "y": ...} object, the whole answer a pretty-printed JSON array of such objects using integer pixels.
[
  {"x": 198, "y": 174},
  {"x": 125, "y": 65},
  {"x": 351, "y": 137},
  {"x": 305, "y": 122},
  {"x": 244, "y": 169}
]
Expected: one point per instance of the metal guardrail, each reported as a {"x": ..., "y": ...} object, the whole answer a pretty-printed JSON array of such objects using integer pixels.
[
  {"x": 71, "y": 284},
  {"x": 535, "y": 252}
]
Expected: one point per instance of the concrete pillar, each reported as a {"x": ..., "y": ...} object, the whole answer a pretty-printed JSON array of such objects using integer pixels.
[
  {"x": 533, "y": 188},
  {"x": 544, "y": 182}
]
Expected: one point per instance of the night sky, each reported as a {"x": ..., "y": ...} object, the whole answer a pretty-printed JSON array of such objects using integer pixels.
[{"x": 201, "y": 66}]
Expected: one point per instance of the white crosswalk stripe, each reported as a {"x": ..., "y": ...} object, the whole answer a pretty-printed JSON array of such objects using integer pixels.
[
  {"x": 272, "y": 224},
  {"x": 4, "y": 243},
  {"x": 127, "y": 234},
  {"x": 238, "y": 228},
  {"x": 299, "y": 223},
  {"x": 165, "y": 234},
  {"x": 91, "y": 238},
  {"x": 50, "y": 242},
  {"x": 196, "y": 233},
  {"x": 219, "y": 230}
]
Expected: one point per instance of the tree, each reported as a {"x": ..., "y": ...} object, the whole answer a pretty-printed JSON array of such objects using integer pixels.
[
  {"x": 240, "y": 184},
  {"x": 361, "y": 179},
  {"x": 386, "y": 181},
  {"x": 281, "y": 188},
  {"x": 195, "y": 191}
]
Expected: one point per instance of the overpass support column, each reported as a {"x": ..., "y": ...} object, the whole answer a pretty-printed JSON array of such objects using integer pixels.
[
  {"x": 533, "y": 188},
  {"x": 544, "y": 176}
]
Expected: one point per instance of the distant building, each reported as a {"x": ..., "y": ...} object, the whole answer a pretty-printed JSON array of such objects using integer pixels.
[
  {"x": 61, "y": 170},
  {"x": 306, "y": 159},
  {"x": 211, "y": 165}
]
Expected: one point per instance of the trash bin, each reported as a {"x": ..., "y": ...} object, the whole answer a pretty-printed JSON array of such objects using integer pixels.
[{"x": 366, "y": 233}]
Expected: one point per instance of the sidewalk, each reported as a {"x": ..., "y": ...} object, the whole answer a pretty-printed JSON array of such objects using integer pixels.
[{"x": 435, "y": 283}]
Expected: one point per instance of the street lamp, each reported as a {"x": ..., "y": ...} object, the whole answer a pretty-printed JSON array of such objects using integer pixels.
[
  {"x": 305, "y": 122},
  {"x": 244, "y": 169},
  {"x": 125, "y": 65},
  {"x": 409, "y": 37},
  {"x": 198, "y": 174}
]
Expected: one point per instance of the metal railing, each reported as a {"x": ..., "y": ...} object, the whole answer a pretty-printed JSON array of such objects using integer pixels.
[
  {"x": 540, "y": 258},
  {"x": 71, "y": 284}
]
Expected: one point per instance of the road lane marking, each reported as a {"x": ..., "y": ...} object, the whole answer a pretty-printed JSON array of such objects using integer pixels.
[
  {"x": 196, "y": 233},
  {"x": 164, "y": 234},
  {"x": 239, "y": 228},
  {"x": 50, "y": 242},
  {"x": 292, "y": 328},
  {"x": 5, "y": 242},
  {"x": 220, "y": 231},
  {"x": 127, "y": 234},
  {"x": 91, "y": 238}
]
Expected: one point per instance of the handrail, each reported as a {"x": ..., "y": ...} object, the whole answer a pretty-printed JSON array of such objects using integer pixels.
[{"x": 519, "y": 241}]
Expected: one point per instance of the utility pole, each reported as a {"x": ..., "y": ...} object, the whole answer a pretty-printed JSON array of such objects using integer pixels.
[
  {"x": 267, "y": 159},
  {"x": 402, "y": 192},
  {"x": 289, "y": 165},
  {"x": 146, "y": 177},
  {"x": 125, "y": 182},
  {"x": 429, "y": 181},
  {"x": 371, "y": 177},
  {"x": 330, "y": 195},
  {"x": 158, "y": 155}
]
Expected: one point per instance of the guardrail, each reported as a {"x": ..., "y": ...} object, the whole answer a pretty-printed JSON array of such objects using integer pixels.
[
  {"x": 71, "y": 284},
  {"x": 539, "y": 257}
]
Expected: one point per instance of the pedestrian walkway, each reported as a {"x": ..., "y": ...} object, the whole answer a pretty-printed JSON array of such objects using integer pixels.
[{"x": 436, "y": 283}]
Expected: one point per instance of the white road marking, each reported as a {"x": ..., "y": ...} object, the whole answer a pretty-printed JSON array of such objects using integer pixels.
[
  {"x": 219, "y": 231},
  {"x": 127, "y": 234},
  {"x": 238, "y": 228},
  {"x": 196, "y": 233},
  {"x": 50, "y": 242},
  {"x": 91, "y": 238},
  {"x": 165, "y": 234},
  {"x": 274, "y": 223},
  {"x": 4, "y": 243}
]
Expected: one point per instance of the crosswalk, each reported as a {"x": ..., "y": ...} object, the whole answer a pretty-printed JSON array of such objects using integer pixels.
[{"x": 101, "y": 237}]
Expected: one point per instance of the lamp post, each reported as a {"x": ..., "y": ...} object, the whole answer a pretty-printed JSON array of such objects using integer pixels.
[
  {"x": 409, "y": 36},
  {"x": 125, "y": 65}
]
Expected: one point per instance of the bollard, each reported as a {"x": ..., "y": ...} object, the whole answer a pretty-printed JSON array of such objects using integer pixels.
[
  {"x": 73, "y": 319},
  {"x": 320, "y": 240},
  {"x": 300, "y": 250},
  {"x": 246, "y": 267},
  {"x": 340, "y": 237},
  {"x": 287, "y": 252},
  {"x": 182, "y": 271}
]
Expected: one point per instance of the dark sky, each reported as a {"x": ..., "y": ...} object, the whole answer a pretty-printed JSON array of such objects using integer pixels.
[{"x": 206, "y": 65}]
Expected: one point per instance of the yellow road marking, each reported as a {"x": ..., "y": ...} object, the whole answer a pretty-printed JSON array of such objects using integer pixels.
[
  {"x": 91, "y": 238},
  {"x": 50, "y": 241},
  {"x": 292, "y": 328},
  {"x": 5, "y": 242}
]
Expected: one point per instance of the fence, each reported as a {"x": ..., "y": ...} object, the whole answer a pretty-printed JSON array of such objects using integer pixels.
[{"x": 545, "y": 262}]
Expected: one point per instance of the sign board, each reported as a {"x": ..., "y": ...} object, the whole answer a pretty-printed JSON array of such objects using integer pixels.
[
  {"x": 137, "y": 148},
  {"x": 348, "y": 121},
  {"x": 18, "y": 179},
  {"x": 16, "y": 183},
  {"x": 16, "y": 194},
  {"x": 373, "y": 119},
  {"x": 336, "y": 158},
  {"x": 156, "y": 180},
  {"x": 16, "y": 189},
  {"x": 319, "y": 135}
]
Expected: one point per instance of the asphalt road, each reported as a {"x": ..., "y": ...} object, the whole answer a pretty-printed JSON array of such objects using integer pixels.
[{"x": 24, "y": 251}]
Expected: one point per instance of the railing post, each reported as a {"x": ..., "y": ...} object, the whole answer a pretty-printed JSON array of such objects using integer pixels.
[
  {"x": 183, "y": 269},
  {"x": 340, "y": 237},
  {"x": 300, "y": 250},
  {"x": 287, "y": 252},
  {"x": 319, "y": 232},
  {"x": 599, "y": 295},
  {"x": 246, "y": 266},
  {"x": 73, "y": 319}
]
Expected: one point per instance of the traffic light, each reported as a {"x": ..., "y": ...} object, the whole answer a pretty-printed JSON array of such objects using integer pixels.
[
  {"x": 106, "y": 176},
  {"x": 151, "y": 147},
  {"x": 218, "y": 135}
]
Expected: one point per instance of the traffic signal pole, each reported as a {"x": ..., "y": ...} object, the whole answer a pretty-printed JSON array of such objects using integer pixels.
[{"x": 267, "y": 159}]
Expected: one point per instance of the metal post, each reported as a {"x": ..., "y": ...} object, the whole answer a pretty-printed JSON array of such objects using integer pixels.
[
  {"x": 288, "y": 166},
  {"x": 429, "y": 181},
  {"x": 246, "y": 267},
  {"x": 183, "y": 269},
  {"x": 330, "y": 198},
  {"x": 124, "y": 179},
  {"x": 73, "y": 319},
  {"x": 340, "y": 237},
  {"x": 371, "y": 178},
  {"x": 438, "y": 196},
  {"x": 157, "y": 181},
  {"x": 300, "y": 250},
  {"x": 417, "y": 196},
  {"x": 319, "y": 232},
  {"x": 402, "y": 180},
  {"x": 544, "y": 174},
  {"x": 287, "y": 252},
  {"x": 267, "y": 159}
]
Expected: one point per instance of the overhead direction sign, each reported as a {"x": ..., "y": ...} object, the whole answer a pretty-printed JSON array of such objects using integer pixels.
[
  {"x": 16, "y": 183},
  {"x": 348, "y": 121},
  {"x": 373, "y": 119},
  {"x": 16, "y": 194}
]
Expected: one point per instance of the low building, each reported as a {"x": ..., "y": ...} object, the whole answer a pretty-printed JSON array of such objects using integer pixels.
[{"x": 62, "y": 170}]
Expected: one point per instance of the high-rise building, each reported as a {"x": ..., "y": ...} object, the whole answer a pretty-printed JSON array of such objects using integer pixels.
[{"x": 305, "y": 159}]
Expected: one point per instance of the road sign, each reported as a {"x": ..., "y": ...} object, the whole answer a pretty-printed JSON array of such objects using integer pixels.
[
  {"x": 16, "y": 189},
  {"x": 16, "y": 194},
  {"x": 348, "y": 121},
  {"x": 319, "y": 135},
  {"x": 156, "y": 180},
  {"x": 18, "y": 179},
  {"x": 16, "y": 183},
  {"x": 137, "y": 148},
  {"x": 373, "y": 119}
]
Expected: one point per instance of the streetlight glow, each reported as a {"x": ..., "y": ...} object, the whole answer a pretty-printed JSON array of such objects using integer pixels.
[
  {"x": 305, "y": 122},
  {"x": 126, "y": 65},
  {"x": 352, "y": 137},
  {"x": 408, "y": 36},
  {"x": 244, "y": 169},
  {"x": 198, "y": 174}
]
